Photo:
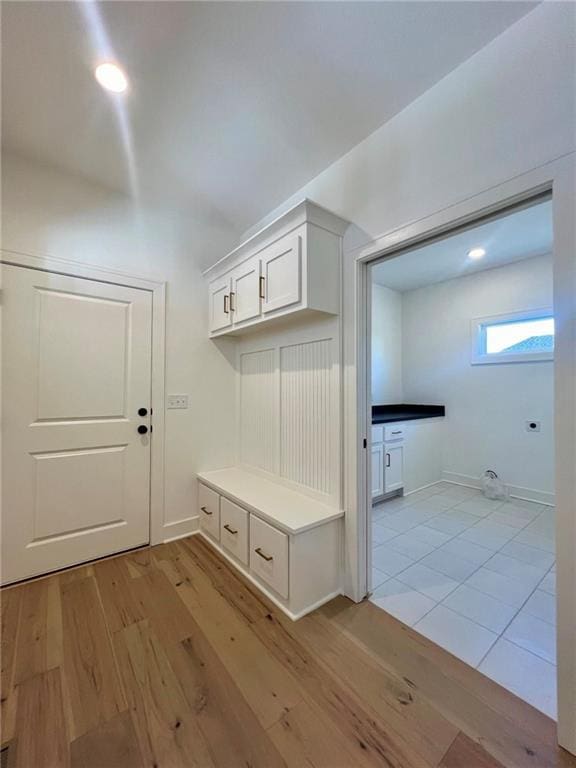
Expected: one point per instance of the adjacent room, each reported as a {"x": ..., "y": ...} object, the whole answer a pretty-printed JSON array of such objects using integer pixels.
[
  {"x": 288, "y": 352},
  {"x": 463, "y": 523}
]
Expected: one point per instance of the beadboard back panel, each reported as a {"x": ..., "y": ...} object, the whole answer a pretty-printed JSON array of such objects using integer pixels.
[
  {"x": 258, "y": 424},
  {"x": 306, "y": 412},
  {"x": 289, "y": 407}
]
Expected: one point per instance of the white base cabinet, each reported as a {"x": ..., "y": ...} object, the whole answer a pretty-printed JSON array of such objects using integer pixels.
[
  {"x": 285, "y": 543},
  {"x": 209, "y": 504},
  {"x": 234, "y": 533},
  {"x": 393, "y": 467},
  {"x": 387, "y": 459},
  {"x": 269, "y": 555}
]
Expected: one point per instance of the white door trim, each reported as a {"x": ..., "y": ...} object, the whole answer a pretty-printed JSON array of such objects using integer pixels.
[
  {"x": 559, "y": 177},
  {"x": 158, "y": 291}
]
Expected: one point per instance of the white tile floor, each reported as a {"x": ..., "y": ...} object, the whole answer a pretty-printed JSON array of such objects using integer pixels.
[{"x": 475, "y": 576}]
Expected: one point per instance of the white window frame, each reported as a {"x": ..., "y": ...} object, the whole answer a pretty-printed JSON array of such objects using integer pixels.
[{"x": 478, "y": 338}]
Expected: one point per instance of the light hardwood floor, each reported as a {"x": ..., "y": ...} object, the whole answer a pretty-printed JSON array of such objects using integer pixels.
[{"x": 167, "y": 658}]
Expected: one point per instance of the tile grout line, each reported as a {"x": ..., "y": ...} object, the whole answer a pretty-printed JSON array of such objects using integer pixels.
[
  {"x": 440, "y": 602},
  {"x": 498, "y": 636},
  {"x": 495, "y": 552},
  {"x": 501, "y": 636}
]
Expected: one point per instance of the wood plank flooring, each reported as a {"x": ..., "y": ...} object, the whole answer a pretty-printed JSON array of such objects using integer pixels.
[{"x": 167, "y": 658}]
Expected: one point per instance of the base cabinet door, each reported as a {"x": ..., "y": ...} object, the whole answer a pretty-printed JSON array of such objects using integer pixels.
[
  {"x": 393, "y": 467},
  {"x": 269, "y": 555},
  {"x": 209, "y": 503},
  {"x": 281, "y": 274},
  {"x": 377, "y": 470},
  {"x": 234, "y": 530}
]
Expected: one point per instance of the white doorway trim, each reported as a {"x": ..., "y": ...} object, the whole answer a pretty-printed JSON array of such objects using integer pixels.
[
  {"x": 559, "y": 178},
  {"x": 158, "y": 291}
]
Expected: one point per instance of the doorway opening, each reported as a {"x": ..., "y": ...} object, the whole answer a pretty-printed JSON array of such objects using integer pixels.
[{"x": 461, "y": 535}]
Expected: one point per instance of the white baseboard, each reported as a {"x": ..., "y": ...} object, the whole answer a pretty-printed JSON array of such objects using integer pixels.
[
  {"x": 422, "y": 488},
  {"x": 515, "y": 491},
  {"x": 180, "y": 529}
]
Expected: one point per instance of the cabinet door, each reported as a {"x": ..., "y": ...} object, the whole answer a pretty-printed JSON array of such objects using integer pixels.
[
  {"x": 281, "y": 274},
  {"x": 209, "y": 503},
  {"x": 245, "y": 296},
  {"x": 220, "y": 315},
  {"x": 377, "y": 470},
  {"x": 269, "y": 555},
  {"x": 393, "y": 466},
  {"x": 234, "y": 529}
]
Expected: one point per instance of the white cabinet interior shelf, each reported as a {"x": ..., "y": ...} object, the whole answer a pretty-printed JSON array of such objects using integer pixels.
[{"x": 291, "y": 267}]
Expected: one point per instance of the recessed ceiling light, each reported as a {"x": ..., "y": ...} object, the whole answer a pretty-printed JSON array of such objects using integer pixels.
[
  {"x": 476, "y": 253},
  {"x": 111, "y": 77}
]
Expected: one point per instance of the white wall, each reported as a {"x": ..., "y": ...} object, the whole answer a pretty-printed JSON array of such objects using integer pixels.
[
  {"x": 507, "y": 110},
  {"x": 486, "y": 405},
  {"x": 48, "y": 213},
  {"x": 386, "y": 346}
]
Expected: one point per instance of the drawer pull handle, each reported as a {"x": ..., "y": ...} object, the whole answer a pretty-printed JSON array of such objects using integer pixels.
[
  {"x": 206, "y": 512},
  {"x": 387, "y": 459},
  {"x": 262, "y": 281},
  {"x": 266, "y": 557},
  {"x": 230, "y": 530},
  {"x": 398, "y": 432},
  {"x": 232, "y": 301},
  {"x": 226, "y": 301}
]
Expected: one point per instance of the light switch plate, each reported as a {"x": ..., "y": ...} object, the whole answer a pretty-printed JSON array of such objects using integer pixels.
[{"x": 177, "y": 401}]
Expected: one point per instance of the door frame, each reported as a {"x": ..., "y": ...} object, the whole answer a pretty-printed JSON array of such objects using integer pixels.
[
  {"x": 559, "y": 178},
  {"x": 157, "y": 288}
]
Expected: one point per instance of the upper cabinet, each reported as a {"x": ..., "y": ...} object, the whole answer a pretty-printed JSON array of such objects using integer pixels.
[{"x": 290, "y": 267}]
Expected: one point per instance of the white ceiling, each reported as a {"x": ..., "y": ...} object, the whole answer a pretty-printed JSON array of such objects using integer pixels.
[
  {"x": 233, "y": 106},
  {"x": 520, "y": 235}
]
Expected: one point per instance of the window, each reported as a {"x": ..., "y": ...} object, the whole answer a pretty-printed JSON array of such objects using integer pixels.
[{"x": 520, "y": 337}]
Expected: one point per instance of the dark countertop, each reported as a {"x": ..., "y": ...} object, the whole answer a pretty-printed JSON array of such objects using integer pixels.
[{"x": 385, "y": 414}]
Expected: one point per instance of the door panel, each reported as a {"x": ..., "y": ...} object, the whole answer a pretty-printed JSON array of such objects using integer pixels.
[
  {"x": 393, "y": 468},
  {"x": 281, "y": 273},
  {"x": 76, "y": 369},
  {"x": 73, "y": 331},
  {"x": 220, "y": 315},
  {"x": 77, "y": 490},
  {"x": 245, "y": 299}
]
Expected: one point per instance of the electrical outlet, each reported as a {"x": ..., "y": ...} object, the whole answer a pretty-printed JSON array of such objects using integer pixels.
[
  {"x": 532, "y": 426},
  {"x": 177, "y": 401}
]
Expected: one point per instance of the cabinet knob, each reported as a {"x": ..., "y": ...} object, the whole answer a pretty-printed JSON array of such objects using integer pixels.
[
  {"x": 142, "y": 411},
  {"x": 142, "y": 429}
]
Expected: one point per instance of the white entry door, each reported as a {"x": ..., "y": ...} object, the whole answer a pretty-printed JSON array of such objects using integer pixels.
[{"x": 76, "y": 371}]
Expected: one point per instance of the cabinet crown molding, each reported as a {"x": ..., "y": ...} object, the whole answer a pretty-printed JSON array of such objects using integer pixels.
[{"x": 304, "y": 212}]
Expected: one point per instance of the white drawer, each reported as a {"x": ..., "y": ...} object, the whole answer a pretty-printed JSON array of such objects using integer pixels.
[
  {"x": 377, "y": 434},
  {"x": 393, "y": 432},
  {"x": 269, "y": 555},
  {"x": 209, "y": 503},
  {"x": 234, "y": 529}
]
